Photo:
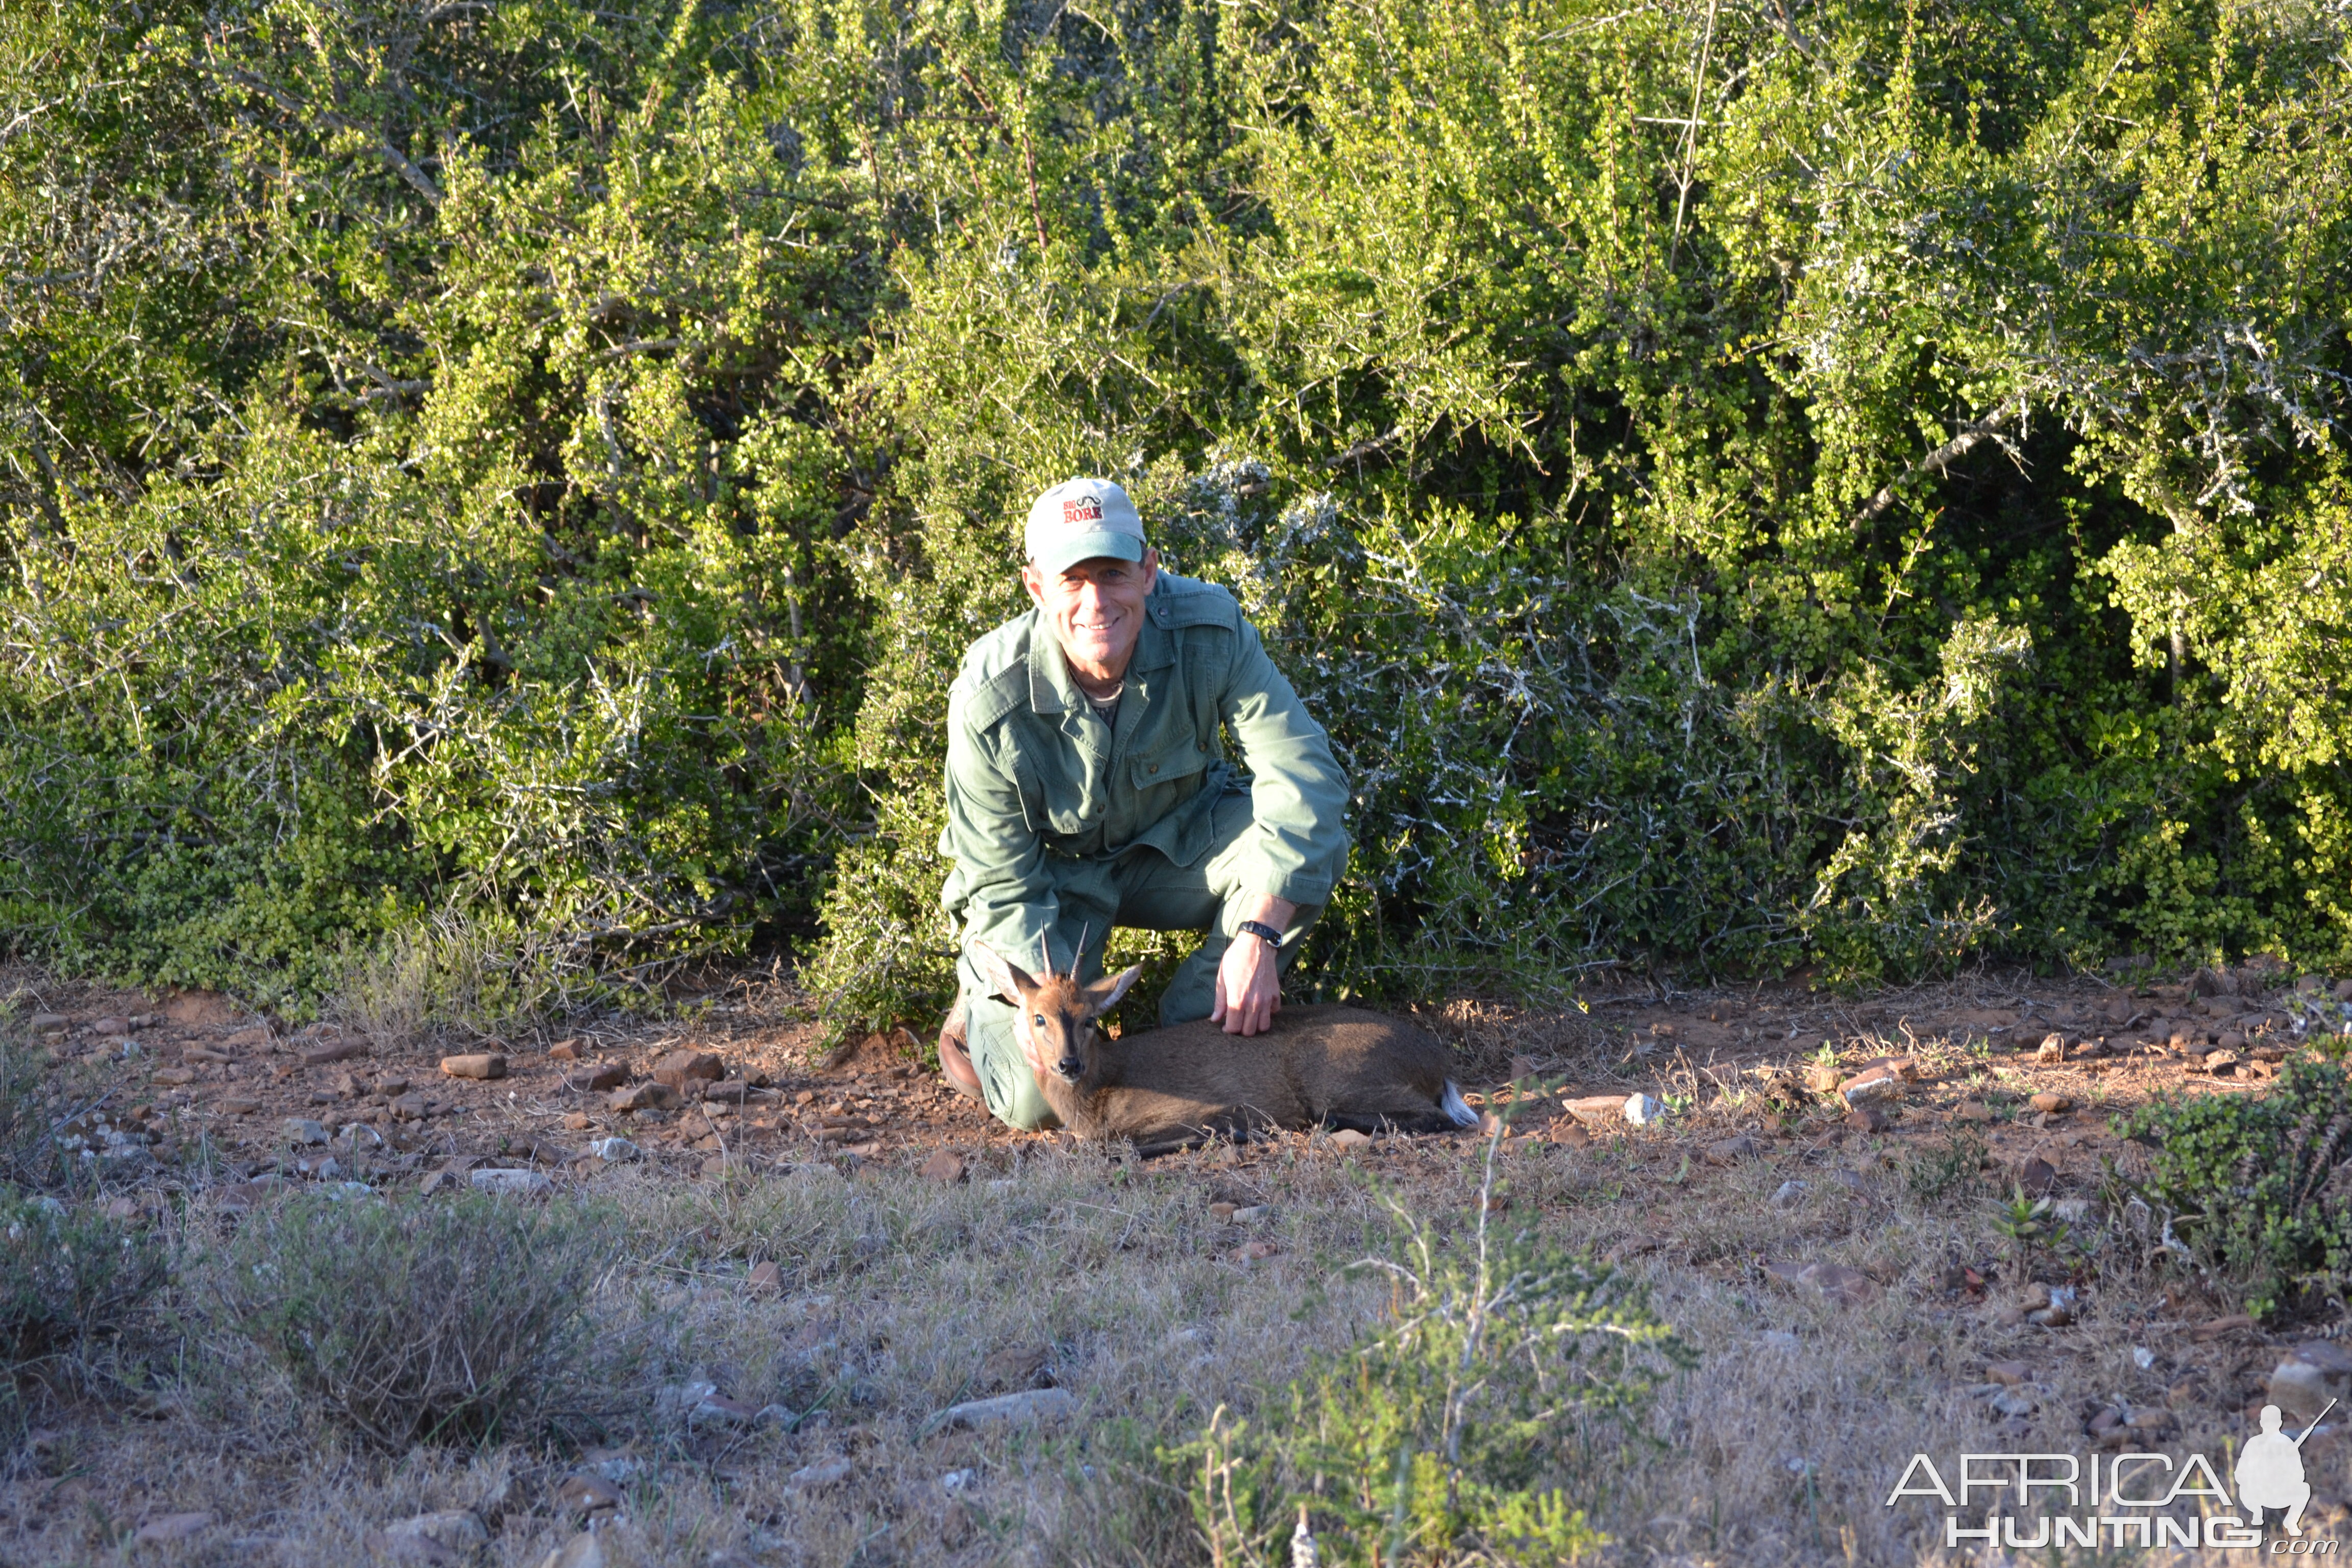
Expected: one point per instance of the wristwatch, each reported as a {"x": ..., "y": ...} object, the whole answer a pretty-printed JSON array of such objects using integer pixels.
[{"x": 1259, "y": 929}]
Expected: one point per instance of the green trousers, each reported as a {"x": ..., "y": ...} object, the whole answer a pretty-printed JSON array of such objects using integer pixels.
[{"x": 1143, "y": 890}]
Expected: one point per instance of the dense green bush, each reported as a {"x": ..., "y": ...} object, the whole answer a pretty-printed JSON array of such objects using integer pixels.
[
  {"x": 1458, "y": 1432},
  {"x": 1849, "y": 484},
  {"x": 2263, "y": 1185},
  {"x": 422, "y": 1322}
]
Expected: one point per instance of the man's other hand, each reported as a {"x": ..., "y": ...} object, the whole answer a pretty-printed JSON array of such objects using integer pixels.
[{"x": 1249, "y": 982}]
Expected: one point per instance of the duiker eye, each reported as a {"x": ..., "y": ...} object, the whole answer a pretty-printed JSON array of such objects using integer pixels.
[{"x": 1041, "y": 1020}]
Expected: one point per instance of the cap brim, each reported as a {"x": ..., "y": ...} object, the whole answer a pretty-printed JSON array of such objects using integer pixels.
[{"x": 1072, "y": 548}]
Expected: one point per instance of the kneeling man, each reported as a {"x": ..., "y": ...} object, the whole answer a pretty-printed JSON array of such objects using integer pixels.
[{"x": 1087, "y": 787}]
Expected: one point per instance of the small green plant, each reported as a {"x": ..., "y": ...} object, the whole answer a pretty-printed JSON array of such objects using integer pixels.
[
  {"x": 455, "y": 1323},
  {"x": 2027, "y": 1222},
  {"x": 2261, "y": 1187},
  {"x": 1453, "y": 1433},
  {"x": 1947, "y": 1168}
]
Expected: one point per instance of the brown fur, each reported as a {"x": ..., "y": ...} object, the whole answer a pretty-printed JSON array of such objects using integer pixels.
[{"x": 1320, "y": 1065}]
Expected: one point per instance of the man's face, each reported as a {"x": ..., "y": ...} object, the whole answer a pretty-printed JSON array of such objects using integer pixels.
[{"x": 1096, "y": 609}]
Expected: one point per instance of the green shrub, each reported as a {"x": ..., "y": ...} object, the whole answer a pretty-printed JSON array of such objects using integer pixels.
[
  {"x": 421, "y": 1322},
  {"x": 564, "y": 501},
  {"x": 2262, "y": 1187},
  {"x": 1456, "y": 1432}
]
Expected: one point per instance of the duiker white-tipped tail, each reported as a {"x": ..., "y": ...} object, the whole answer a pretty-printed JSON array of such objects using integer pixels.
[{"x": 1455, "y": 1107}]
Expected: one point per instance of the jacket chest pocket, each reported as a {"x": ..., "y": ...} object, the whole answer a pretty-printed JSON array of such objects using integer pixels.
[
  {"x": 1055, "y": 801},
  {"x": 1180, "y": 762}
]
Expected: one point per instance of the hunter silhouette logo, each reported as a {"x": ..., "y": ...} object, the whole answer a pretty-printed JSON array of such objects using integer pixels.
[
  {"x": 1083, "y": 509},
  {"x": 2124, "y": 1500},
  {"x": 2270, "y": 1471}
]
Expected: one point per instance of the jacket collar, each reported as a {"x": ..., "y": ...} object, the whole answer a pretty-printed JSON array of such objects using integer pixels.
[{"x": 1051, "y": 689}]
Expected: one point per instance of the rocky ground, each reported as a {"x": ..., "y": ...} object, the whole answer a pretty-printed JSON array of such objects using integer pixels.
[
  {"x": 1814, "y": 1186},
  {"x": 196, "y": 1089}
]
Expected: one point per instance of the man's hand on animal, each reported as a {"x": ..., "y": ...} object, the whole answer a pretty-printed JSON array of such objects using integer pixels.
[
  {"x": 1089, "y": 786},
  {"x": 1249, "y": 979}
]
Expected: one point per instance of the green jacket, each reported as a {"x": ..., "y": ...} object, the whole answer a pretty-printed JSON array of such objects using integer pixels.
[{"x": 1034, "y": 776}]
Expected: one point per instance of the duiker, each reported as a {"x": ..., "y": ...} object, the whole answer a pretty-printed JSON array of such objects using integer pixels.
[{"x": 1323, "y": 1065}]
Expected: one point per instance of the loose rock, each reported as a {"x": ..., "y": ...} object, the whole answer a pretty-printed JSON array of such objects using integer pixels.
[
  {"x": 1847, "y": 1286},
  {"x": 514, "y": 1184},
  {"x": 2309, "y": 1376},
  {"x": 1788, "y": 1195},
  {"x": 1015, "y": 1366},
  {"x": 2051, "y": 1101},
  {"x": 720, "y": 1410},
  {"x": 2216, "y": 1328},
  {"x": 111, "y": 1027},
  {"x": 582, "y": 1494},
  {"x": 171, "y": 1527},
  {"x": 1731, "y": 1150},
  {"x": 1349, "y": 1138},
  {"x": 459, "y": 1529},
  {"x": 825, "y": 1473},
  {"x": 1868, "y": 1119},
  {"x": 681, "y": 1067},
  {"x": 1880, "y": 1085},
  {"x": 596, "y": 1078},
  {"x": 340, "y": 1050},
  {"x": 580, "y": 1551},
  {"x": 945, "y": 1167},
  {"x": 475, "y": 1064},
  {"x": 2009, "y": 1373},
  {"x": 646, "y": 1097},
  {"x": 614, "y": 1149},
  {"x": 767, "y": 1276},
  {"x": 2053, "y": 1049},
  {"x": 301, "y": 1132},
  {"x": 1036, "y": 1404},
  {"x": 49, "y": 1023}
]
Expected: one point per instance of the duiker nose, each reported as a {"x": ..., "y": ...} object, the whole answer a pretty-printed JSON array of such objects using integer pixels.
[{"x": 1070, "y": 1067}]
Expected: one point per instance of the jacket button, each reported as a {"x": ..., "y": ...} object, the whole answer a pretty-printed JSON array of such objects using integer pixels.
[{"x": 1155, "y": 767}]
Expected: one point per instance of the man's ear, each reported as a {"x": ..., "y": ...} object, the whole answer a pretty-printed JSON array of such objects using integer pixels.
[
  {"x": 1034, "y": 581},
  {"x": 1010, "y": 979},
  {"x": 1105, "y": 994}
]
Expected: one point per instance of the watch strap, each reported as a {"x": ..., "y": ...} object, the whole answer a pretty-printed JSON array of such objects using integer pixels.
[{"x": 1259, "y": 929}]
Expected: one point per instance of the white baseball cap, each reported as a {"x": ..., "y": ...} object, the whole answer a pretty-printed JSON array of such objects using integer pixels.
[{"x": 1081, "y": 519}]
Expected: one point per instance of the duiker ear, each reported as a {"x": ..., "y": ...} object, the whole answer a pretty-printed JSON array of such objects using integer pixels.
[
  {"x": 1105, "y": 994},
  {"x": 1011, "y": 981}
]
